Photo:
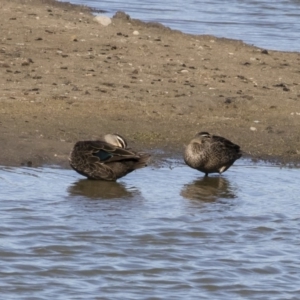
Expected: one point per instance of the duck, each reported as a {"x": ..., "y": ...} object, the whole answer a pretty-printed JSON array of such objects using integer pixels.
[
  {"x": 209, "y": 153},
  {"x": 107, "y": 158}
]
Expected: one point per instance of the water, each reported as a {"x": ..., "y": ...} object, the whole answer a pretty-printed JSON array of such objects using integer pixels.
[
  {"x": 158, "y": 233},
  {"x": 268, "y": 24}
]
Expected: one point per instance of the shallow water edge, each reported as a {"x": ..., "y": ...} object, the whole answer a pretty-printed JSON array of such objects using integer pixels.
[{"x": 158, "y": 233}]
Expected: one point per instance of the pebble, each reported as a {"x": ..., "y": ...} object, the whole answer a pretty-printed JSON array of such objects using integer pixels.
[
  {"x": 103, "y": 20},
  {"x": 253, "y": 128},
  {"x": 135, "y": 32}
]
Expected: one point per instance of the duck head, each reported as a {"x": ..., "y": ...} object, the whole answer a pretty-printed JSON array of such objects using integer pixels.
[{"x": 116, "y": 140}]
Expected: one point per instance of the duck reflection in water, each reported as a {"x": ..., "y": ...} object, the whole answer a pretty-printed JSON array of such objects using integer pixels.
[
  {"x": 208, "y": 189},
  {"x": 101, "y": 190}
]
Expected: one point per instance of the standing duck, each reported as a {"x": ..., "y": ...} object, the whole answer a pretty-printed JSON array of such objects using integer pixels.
[
  {"x": 210, "y": 153},
  {"x": 107, "y": 158}
]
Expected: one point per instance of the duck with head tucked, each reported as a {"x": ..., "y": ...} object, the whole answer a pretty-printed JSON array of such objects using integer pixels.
[
  {"x": 107, "y": 158},
  {"x": 211, "y": 153}
]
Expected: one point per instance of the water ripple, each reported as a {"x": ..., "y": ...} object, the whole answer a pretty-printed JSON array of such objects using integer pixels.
[{"x": 156, "y": 234}]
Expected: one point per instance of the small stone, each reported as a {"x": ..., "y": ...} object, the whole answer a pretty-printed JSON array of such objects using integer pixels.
[
  {"x": 74, "y": 38},
  {"x": 26, "y": 62},
  {"x": 4, "y": 65},
  {"x": 103, "y": 20},
  {"x": 135, "y": 32},
  {"x": 253, "y": 128}
]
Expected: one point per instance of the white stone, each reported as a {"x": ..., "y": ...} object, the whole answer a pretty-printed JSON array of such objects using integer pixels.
[
  {"x": 103, "y": 20},
  {"x": 253, "y": 128},
  {"x": 135, "y": 32}
]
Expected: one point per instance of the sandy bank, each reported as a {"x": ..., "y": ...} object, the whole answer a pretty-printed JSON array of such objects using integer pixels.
[{"x": 64, "y": 77}]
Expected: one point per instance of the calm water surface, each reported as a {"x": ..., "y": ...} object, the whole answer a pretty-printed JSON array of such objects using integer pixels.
[
  {"x": 158, "y": 233},
  {"x": 268, "y": 24}
]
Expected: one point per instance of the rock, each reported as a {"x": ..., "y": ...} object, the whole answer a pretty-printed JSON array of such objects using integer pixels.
[
  {"x": 121, "y": 15},
  {"x": 103, "y": 20}
]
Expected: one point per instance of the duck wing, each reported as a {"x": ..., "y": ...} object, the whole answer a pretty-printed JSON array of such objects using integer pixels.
[
  {"x": 108, "y": 153},
  {"x": 225, "y": 143},
  {"x": 225, "y": 149}
]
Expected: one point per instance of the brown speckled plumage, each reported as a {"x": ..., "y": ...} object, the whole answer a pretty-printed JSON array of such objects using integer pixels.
[
  {"x": 107, "y": 158},
  {"x": 210, "y": 153}
]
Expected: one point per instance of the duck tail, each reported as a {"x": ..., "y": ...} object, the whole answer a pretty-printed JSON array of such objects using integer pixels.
[{"x": 143, "y": 160}]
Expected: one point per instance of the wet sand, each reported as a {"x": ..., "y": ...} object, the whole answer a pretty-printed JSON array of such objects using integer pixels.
[{"x": 65, "y": 77}]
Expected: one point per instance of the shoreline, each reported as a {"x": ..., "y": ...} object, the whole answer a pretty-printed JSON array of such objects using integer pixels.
[{"x": 65, "y": 77}]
